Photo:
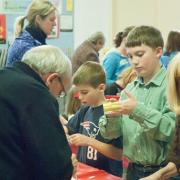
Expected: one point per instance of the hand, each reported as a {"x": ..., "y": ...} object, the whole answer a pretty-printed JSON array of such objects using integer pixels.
[
  {"x": 125, "y": 106},
  {"x": 128, "y": 105},
  {"x": 154, "y": 176},
  {"x": 79, "y": 139},
  {"x": 63, "y": 120},
  {"x": 163, "y": 174},
  {"x": 74, "y": 163}
]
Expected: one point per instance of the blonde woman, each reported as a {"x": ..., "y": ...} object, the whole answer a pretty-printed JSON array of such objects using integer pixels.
[
  {"x": 40, "y": 22},
  {"x": 173, "y": 166}
]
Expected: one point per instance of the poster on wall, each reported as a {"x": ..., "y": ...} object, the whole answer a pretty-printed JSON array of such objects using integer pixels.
[
  {"x": 19, "y": 6},
  {"x": 14, "y": 6},
  {"x": 2, "y": 29},
  {"x": 69, "y": 5},
  {"x": 66, "y": 23}
]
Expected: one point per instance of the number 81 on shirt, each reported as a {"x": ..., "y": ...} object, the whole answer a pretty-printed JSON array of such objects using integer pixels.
[{"x": 91, "y": 153}]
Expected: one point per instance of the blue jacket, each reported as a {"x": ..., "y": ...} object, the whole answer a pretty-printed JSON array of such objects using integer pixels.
[
  {"x": 114, "y": 64},
  {"x": 22, "y": 43},
  {"x": 85, "y": 121}
]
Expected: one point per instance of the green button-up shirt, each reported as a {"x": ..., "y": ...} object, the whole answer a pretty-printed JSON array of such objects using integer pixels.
[{"x": 148, "y": 131}]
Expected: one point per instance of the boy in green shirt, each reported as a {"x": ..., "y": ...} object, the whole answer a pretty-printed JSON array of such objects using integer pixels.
[{"x": 146, "y": 122}]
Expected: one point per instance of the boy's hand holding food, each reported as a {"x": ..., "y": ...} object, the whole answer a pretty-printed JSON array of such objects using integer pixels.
[{"x": 117, "y": 108}]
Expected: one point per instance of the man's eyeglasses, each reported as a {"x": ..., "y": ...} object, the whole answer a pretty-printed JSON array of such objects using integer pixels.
[{"x": 63, "y": 91}]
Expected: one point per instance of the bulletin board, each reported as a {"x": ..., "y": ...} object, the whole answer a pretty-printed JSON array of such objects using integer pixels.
[
  {"x": 14, "y": 6},
  {"x": 2, "y": 29}
]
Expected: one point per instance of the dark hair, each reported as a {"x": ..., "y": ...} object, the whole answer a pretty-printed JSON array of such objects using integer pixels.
[
  {"x": 120, "y": 35},
  {"x": 173, "y": 42},
  {"x": 118, "y": 39},
  {"x": 147, "y": 35}
]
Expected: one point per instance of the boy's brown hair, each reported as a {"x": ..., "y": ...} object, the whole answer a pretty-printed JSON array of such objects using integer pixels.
[
  {"x": 89, "y": 73},
  {"x": 146, "y": 35}
]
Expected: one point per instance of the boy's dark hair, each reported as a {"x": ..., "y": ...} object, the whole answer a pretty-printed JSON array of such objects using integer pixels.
[
  {"x": 89, "y": 73},
  {"x": 120, "y": 35},
  {"x": 173, "y": 42},
  {"x": 146, "y": 35}
]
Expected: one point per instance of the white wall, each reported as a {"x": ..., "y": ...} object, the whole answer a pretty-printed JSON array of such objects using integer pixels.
[
  {"x": 163, "y": 14},
  {"x": 91, "y": 16},
  {"x": 112, "y": 16},
  {"x": 168, "y": 15},
  {"x": 133, "y": 12}
]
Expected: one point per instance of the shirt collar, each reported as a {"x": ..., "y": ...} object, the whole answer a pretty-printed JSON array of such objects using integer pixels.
[{"x": 156, "y": 80}]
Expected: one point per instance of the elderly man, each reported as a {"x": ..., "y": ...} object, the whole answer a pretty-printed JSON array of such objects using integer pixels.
[
  {"x": 32, "y": 141},
  {"x": 88, "y": 50}
]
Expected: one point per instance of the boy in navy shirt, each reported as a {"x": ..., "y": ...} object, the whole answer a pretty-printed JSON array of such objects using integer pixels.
[{"x": 83, "y": 127}]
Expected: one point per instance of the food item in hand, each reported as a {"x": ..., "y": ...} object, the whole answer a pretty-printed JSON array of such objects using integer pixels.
[
  {"x": 112, "y": 97},
  {"x": 111, "y": 106}
]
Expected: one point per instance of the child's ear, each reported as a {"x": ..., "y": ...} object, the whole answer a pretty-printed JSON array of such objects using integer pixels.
[
  {"x": 159, "y": 52},
  {"x": 102, "y": 87}
]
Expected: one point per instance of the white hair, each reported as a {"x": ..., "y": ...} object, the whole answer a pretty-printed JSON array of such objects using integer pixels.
[
  {"x": 97, "y": 36},
  {"x": 48, "y": 59}
]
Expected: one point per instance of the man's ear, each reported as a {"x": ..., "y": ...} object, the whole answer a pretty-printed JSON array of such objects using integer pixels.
[{"x": 50, "y": 78}]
